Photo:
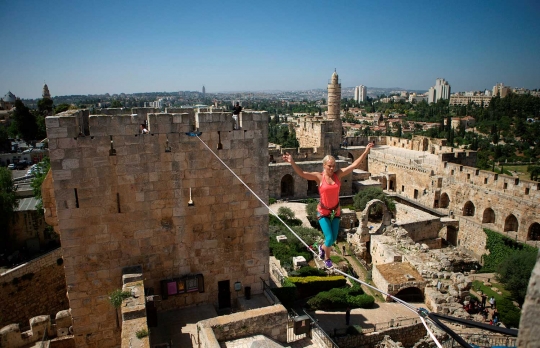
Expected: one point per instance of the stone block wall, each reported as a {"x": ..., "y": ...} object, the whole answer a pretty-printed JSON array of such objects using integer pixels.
[
  {"x": 407, "y": 335},
  {"x": 450, "y": 186},
  {"x": 277, "y": 172},
  {"x": 269, "y": 321},
  {"x": 124, "y": 198},
  {"x": 35, "y": 288},
  {"x": 530, "y": 314}
]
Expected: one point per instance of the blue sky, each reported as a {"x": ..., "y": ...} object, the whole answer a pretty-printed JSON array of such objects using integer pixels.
[{"x": 95, "y": 47}]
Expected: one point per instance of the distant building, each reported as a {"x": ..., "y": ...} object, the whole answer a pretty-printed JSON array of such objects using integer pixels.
[
  {"x": 466, "y": 121},
  {"x": 441, "y": 90},
  {"x": 8, "y": 101},
  {"x": 360, "y": 93},
  {"x": 203, "y": 91},
  {"x": 46, "y": 94},
  {"x": 459, "y": 99},
  {"x": 501, "y": 90},
  {"x": 417, "y": 97}
]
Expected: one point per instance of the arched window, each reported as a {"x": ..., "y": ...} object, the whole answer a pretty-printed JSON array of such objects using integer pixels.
[
  {"x": 468, "y": 209},
  {"x": 445, "y": 200},
  {"x": 489, "y": 216},
  {"x": 511, "y": 223},
  {"x": 534, "y": 232},
  {"x": 287, "y": 186}
]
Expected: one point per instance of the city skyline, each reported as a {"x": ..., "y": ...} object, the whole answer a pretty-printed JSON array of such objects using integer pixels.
[{"x": 101, "y": 47}]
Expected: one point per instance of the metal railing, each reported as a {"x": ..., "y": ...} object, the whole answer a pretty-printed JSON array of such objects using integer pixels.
[
  {"x": 323, "y": 337},
  {"x": 482, "y": 341},
  {"x": 268, "y": 291}
]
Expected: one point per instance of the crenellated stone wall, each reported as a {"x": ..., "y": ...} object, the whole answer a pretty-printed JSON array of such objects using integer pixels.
[
  {"x": 160, "y": 200},
  {"x": 269, "y": 321},
  {"x": 34, "y": 288}
]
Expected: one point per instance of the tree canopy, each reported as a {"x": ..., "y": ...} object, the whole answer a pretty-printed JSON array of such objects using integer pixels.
[{"x": 8, "y": 203}]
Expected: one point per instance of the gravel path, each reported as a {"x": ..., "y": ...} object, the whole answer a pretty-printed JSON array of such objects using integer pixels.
[{"x": 299, "y": 210}]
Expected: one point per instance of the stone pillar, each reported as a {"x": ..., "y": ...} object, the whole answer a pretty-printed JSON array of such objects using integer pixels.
[{"x": 530, "y": 315}]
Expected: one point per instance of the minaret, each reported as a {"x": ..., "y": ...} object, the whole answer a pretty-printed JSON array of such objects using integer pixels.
[
  {"x": 334, "y": 97},
  {"x": 46, "y": 94},
  {"x": 333, "y": 130}
]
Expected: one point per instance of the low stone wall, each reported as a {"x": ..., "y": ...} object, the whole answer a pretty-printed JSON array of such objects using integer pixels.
[
  {"x": 268, "y": 321},
  {"x": 407, "y": 335},
  {"x": 40, "y": 327},
  {"x": 133, "y": 309},
  {"x": 35, "y": 288}
]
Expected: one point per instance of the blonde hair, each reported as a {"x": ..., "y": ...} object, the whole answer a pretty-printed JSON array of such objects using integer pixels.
[{"x": 328, "y": 158}]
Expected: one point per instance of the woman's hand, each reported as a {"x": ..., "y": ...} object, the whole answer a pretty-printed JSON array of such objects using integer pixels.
[
  {"x": 368, "y": 147},
  {"x": 287, "y": 157}
]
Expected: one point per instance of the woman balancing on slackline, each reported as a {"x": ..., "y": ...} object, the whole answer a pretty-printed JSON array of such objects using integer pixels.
[{"x": 328, "y": 210}]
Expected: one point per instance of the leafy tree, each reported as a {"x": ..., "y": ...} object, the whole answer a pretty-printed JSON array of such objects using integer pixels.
[
  {"x": 42, "y": 168},
  {"x": 45, "y": 106},
  {"x": 363, "y": 197},
  {"x": 116, "y": 104},
  {"x": 515, "y": 271},
  {"x": 61, "y": 108},
  {"x": 24, "y": 122},
  {"x": 8, "y": 203}
]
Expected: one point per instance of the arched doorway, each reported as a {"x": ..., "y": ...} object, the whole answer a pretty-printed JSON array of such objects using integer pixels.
[
  {"x": 534, "y": 232},
  {"x": 411, "y": 294},
  {"x": 511, "y": 223},
  {"x": 425, "y": 144},
  {"x": 350, "y": 156},
  {"x": 312, "y": 188},
  {"x": 287, "y": 186},
  {"x": 468, "y": 209},
  {"x": 489, "y": 216},
  {"x": 445, "y": 200},
  {"x": 451, "y": 235}
]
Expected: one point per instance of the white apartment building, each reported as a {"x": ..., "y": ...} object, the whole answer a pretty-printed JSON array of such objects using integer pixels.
[
  {"x": 441, "y": 90},
  {"x": 360, "y": 93}
]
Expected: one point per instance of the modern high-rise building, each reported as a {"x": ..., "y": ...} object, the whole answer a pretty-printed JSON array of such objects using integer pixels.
[
  {"x": 360, "y": 93},
  {"x": 441, "y": 90},
  {"x": 203, "y": 91}
]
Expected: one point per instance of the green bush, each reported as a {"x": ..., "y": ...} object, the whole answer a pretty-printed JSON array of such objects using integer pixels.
[
  {"x": 284, "y": 252},
  {"x": 286, "y": 294},
  {"x": 354, "y": 330},
  {"x": 341, "y": 298},
  {"x": 500, "y": 248},
  {"x": 508, "y": 313},
  {"x": 272, "y": 201},
  {"x": 308, "y": 271},
  {"x": 309, "y": 286}
]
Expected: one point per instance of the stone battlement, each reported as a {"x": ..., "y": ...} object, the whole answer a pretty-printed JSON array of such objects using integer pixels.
[{"x": 74, "y": 124}]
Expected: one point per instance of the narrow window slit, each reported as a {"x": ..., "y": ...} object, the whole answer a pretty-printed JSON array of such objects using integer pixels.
[
  {"x": 76, "y": 198},
  {"x": 118, "y": 202}
]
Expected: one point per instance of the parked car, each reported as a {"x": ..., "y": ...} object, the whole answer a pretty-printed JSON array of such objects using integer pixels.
[
  {"x": 11, "y": 166},
  {"x": 21, "y": 164}
]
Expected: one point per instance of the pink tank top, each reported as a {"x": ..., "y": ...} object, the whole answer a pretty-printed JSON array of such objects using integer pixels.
[{"x": 329, "y": 196}]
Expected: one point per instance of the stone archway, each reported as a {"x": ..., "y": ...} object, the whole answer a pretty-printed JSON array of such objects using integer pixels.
[
  {"x": 511, "y": 223},
  {"x": 313, "y": 189},
  {"x": 445, "y": 200},
  {"x": 350, "y": 156},
  {"x": 385, "y": 221},
  {"x": 287, "y": 186},
  {"x": 468, "y": 209},
  {"x": 425, "y": 144},
  {"x": 534, "y": 232},
  {"x": 452, "y": 235},
  {"x": 488, "y": 216},
  {"x": 412, "y": 294}
]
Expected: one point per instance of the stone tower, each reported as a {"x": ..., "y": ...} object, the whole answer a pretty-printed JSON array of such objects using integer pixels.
[
  {"x": 46, "y": 94},
  {"x": 332, "y": 138},
  {"x": 161, "y": 201},
  {"x": 334, "y": 97}
]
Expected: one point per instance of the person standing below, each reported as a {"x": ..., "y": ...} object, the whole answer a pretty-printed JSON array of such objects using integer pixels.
[
  {"x": 236, "y": 112},
  {"x": 347, "y": 316},
  {"x": 484, "y": 297},
  {"x": 492, "y": 302},
  {"x": 328, "y": 210}
]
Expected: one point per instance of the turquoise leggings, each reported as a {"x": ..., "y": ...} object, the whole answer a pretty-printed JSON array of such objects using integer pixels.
[{"x": 330, "y": 228}]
